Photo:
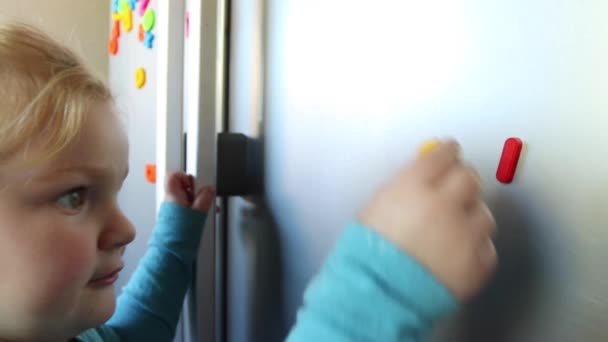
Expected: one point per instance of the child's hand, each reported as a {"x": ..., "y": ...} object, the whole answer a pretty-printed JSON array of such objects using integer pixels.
[
  {"x": 179, "y": 189},
  {"x": 433, "y": 210}
]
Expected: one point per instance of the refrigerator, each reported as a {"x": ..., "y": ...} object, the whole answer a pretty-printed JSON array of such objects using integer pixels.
[{"x": 312, "y": 105}]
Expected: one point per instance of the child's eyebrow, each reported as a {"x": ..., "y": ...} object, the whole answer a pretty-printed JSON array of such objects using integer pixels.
[{"x": 88, "y": 170}]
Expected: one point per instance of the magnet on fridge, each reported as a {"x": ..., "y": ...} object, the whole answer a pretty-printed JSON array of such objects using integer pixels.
[
  {"x": 148, "y": 39},
  {"x": 143, "y": 7},
  {"x": 187, "y": 24},
  {"x": 116, "y": 16},
  {"x": 151, "y": 173},
  {"x": 127, "y": 19},
  {"x": 123, "y": 5},
  {"x": 113, "y": 46},
  {"x": 141, "y": 35},
  {"x": 140, "y": 78},
  {"x": 133, "y": 3},
  {"x": 115, "y": 7},
  {"x": 508, "y": 160},
  {"x": 149, "y": 19},
  {"x": 428, "y": 146},
  {"x": 116, "y": 29}
]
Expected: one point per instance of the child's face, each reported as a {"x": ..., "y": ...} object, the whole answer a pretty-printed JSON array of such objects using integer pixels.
[{"x": 61, "y": 228}]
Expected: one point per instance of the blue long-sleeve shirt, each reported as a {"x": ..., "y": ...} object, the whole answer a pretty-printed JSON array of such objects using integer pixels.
[{"x": 368, "y": 289}]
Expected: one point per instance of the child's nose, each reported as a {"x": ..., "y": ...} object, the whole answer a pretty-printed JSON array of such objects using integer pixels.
[{"x": 118, "y": 231}]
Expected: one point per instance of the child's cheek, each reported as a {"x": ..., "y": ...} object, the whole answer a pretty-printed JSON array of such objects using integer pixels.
[{"x": 69, "y": 267}]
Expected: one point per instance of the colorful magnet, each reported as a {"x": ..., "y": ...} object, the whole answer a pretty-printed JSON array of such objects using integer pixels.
[
  {"x": 116, "y": 16},
  {"x": 140, "y": 78},
  {"x": 143, "y": 7},
  {"x": 187, "y": 24},
  {"x": 141, "y": 35},
  {"x": 127, "y": 19},
  {"x": 148, "y": 39},
  {"x": 427, "y": 147},
  {"x": 509, "y": 159},
  {"x": 116, "y": 29},
  {"x": 113, "y": 46},
  {"x": 115, "y": 7},
  {"x": 149, "y": 19},
  {"x": 132, "y": 3},
  {"x": 151, "y": 173},
  {"x": 123, "y": 5}
]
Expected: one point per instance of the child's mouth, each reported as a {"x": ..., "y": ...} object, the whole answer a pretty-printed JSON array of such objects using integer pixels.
[{"x": 106, "y": 279}]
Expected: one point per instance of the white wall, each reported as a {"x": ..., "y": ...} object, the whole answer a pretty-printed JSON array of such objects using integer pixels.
[{"x": 82, "y": 25}]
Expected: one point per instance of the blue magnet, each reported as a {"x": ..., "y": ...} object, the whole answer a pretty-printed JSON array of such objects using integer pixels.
[
  {"x": 115, "y": 6},
  {"x": 148, "y": 39}
]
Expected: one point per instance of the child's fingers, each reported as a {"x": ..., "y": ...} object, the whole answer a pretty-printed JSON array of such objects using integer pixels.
[
  {"x": 434, "y": 165},
  {"x": 190, "y": 188},
  {"x": 184, "y": 181},
  {"x": 174, "y": 180},
  {"x": 176, "y": 189},
  {"x": 461, "y": 184},
  {"x": 204, "y": 199}
]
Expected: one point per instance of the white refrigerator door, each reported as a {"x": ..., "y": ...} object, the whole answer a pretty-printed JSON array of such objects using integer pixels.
[{"x": 346, "y": 91}]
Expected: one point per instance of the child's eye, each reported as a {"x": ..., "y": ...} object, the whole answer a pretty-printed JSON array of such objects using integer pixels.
[{"x": 72, "y": 200}]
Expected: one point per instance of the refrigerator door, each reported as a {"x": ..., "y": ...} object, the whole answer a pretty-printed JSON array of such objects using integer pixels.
[{"x": 342, "y": 93}]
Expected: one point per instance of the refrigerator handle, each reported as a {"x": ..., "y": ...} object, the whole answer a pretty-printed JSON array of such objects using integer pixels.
[{"x": 239, "y": 165}]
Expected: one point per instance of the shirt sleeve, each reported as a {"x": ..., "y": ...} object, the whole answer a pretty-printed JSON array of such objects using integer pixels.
[
  {"x": 149, "y": 306},
  {"x": 369, "y": 290}
]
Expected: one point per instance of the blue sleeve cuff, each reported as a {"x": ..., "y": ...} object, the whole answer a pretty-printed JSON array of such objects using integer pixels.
[
  {"x": 405, "y": 276},
  {"x": 179, "y": 228}
]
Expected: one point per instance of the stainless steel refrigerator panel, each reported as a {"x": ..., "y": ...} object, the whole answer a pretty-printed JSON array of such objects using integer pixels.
[{"x": 353, "y": 87}]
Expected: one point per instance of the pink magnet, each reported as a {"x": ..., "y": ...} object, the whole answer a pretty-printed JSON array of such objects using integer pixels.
[
  {"x": 187, "y": 24},
  {"x": 509, "y": 159},
  {"x": 143, "y": 6}
]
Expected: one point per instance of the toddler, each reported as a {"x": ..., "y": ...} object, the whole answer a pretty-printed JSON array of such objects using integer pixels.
[{"x": 63, "y": 159}]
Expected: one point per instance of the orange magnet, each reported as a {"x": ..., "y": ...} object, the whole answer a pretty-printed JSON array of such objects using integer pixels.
[
  {"x": 151, "y": 173},
  {"x": 116, "y": 29},
  {"x": 509, "y": 159},
  {"x": 142, "y": 33},
  {"x": 113, "y": 46}
]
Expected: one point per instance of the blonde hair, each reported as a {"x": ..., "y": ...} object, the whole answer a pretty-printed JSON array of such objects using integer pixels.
[{"x": 45, "y": 93}]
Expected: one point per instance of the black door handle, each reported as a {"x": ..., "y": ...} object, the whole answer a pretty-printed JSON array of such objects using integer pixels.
[{"x": 239, "y": 165}]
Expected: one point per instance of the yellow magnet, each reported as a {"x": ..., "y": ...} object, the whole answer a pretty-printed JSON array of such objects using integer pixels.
[
  {"x": 127, "y": 19},
  {"x": 140, "y": 78},
  {"x": 428, "y": 147}
]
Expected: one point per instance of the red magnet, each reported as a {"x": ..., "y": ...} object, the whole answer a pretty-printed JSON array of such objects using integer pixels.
[{"x": 508, "y": 160}]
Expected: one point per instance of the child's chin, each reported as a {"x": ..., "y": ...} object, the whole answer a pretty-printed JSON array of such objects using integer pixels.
[{"x": 103, "y": 306}]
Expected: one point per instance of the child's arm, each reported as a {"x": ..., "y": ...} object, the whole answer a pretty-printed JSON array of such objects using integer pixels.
[
  {"x": 422, "y": 245},
  {"x": 149, "y": 307},
  {"x": 368, "y": 290}
]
